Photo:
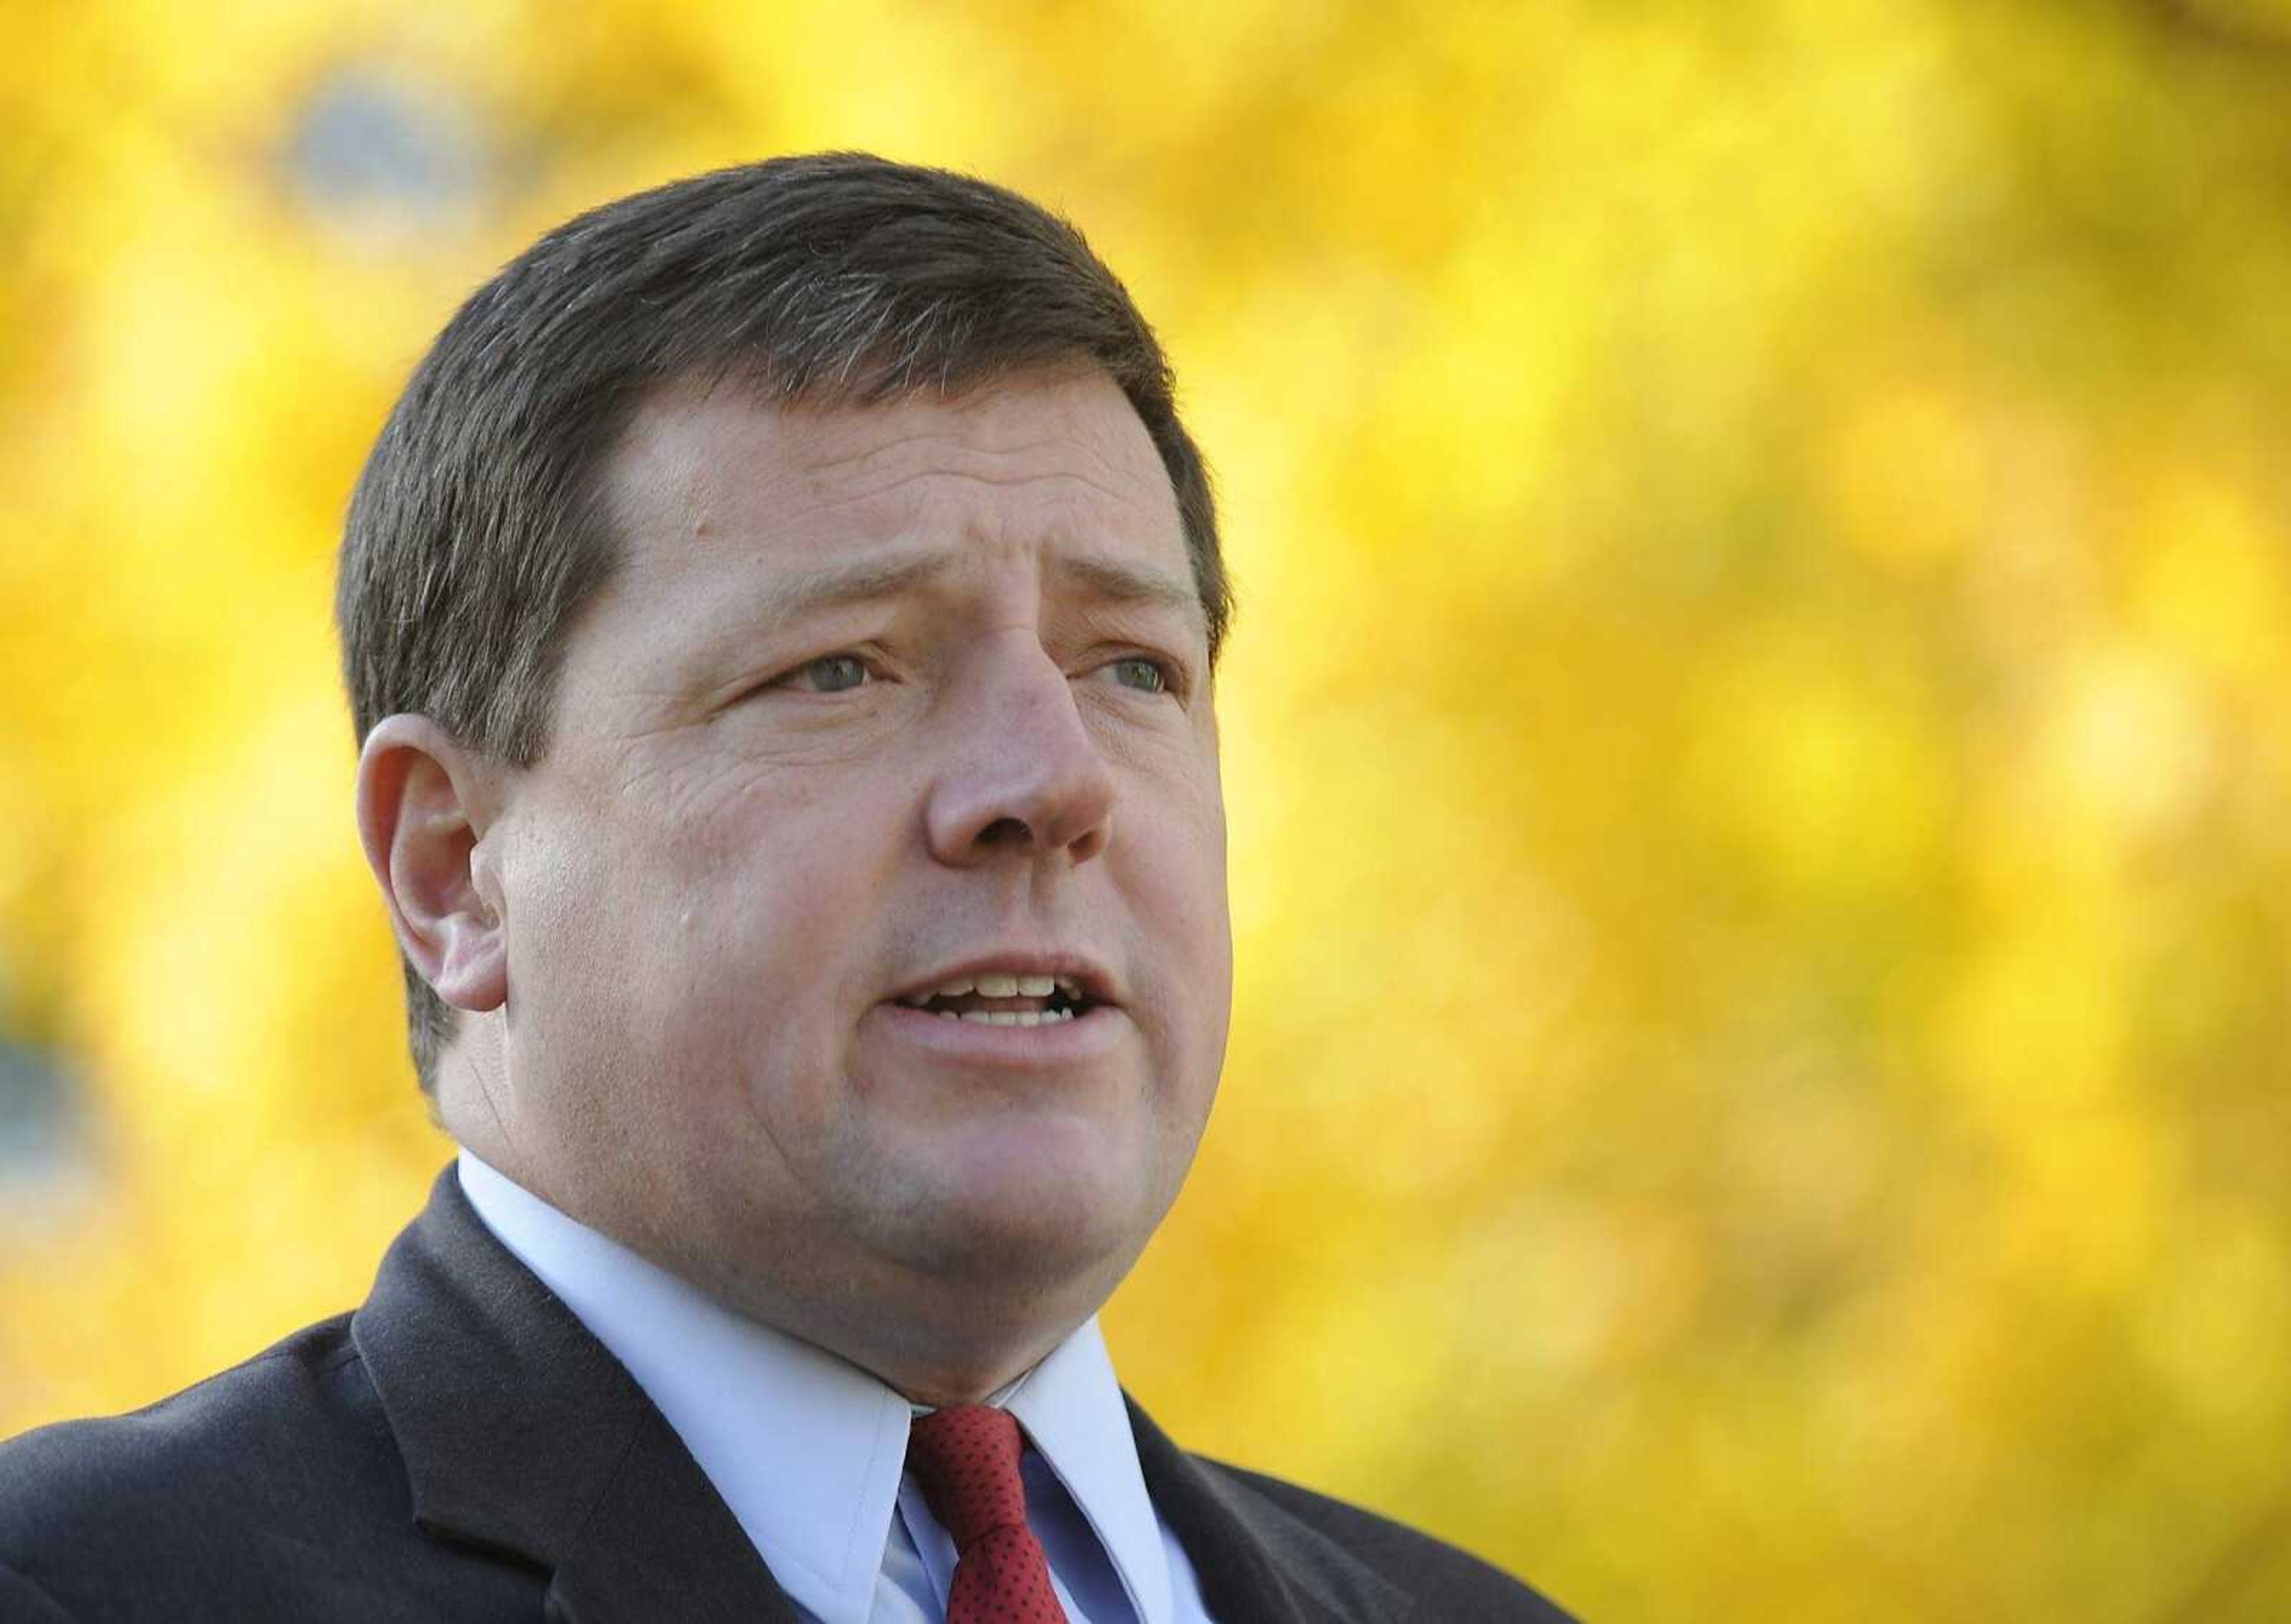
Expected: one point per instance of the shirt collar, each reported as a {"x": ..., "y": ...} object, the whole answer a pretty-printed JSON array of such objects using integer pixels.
[
  {"x": 1072, "y": 1408},
  {"x": 805, "y": 1449}
]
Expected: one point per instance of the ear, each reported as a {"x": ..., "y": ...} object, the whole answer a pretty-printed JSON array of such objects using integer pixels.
[{"x": 423, "y": 804}]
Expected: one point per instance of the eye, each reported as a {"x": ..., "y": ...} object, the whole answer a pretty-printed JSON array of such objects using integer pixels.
[
  {"x": 834, "y": 673},
  {"x": 1144, "y": 675}
]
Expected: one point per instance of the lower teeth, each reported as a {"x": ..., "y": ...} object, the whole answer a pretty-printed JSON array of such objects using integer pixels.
[{"x": 1007, "y": 1018}]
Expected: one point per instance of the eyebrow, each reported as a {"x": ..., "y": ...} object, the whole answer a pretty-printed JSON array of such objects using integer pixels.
[
  {"x": 871, "y": 580},
  {"x": 1130, "y": 583},
  {"x": 858, "y": 581}
]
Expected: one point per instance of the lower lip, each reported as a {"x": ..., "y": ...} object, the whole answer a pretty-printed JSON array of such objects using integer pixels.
[{"x": 1057, "y": 1043}]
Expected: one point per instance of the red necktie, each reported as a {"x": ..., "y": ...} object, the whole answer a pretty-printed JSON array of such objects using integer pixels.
[{"x": 965, "y": 1459}]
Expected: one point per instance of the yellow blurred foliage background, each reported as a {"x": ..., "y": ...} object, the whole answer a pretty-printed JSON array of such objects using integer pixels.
[{"x": 1758, "y": 735}]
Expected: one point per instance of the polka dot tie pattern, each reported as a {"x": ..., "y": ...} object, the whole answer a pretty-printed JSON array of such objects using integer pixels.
[{"x": 966, "y": 1458}]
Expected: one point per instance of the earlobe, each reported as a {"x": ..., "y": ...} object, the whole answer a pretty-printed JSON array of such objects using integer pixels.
[{"x": 421, "y": 813}]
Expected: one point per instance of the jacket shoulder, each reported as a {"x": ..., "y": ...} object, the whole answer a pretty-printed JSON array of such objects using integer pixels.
[
  {"x": 266, "y": 1487},
  {"x": 220, "y": 1447},
  {"x": 1447, "y": 1583}
]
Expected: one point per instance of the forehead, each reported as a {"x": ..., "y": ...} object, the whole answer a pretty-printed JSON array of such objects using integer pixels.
[{"x": 1056, "y": 461}]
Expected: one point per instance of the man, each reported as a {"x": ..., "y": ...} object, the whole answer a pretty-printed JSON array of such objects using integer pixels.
[{"x": 780, "y": 618}]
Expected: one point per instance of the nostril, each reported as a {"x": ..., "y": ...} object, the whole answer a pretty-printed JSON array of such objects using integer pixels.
[{"x": 1006, "y": 831}]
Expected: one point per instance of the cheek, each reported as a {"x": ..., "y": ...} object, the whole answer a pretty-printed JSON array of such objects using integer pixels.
[
  {"x": 1183, "y": 922},
  {"x": 1211, "y": 922},
  {"x": 780, "y": 901},
  {"x": 1198, "y": 868}
]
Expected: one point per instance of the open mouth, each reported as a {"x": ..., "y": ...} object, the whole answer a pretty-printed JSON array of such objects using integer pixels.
[{"x": 1007, "y": 1001}]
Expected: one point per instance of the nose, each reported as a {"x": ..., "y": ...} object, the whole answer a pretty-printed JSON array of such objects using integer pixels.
[{"x": 1022, "y": 776}]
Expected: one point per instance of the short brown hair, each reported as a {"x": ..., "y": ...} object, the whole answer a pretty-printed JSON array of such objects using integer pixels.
[{"x": 477, "y": 530}]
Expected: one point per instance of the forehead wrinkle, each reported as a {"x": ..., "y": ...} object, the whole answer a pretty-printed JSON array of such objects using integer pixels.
[
  {"x": 725, "y": 474},
  {"x": 912, "y": 493},
  {"x": 1109, "y": 475},
  {"x": 697, "y": 457}
]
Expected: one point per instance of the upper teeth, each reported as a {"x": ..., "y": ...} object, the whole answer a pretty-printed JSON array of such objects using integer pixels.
[{"x": 1003, "y": 986}]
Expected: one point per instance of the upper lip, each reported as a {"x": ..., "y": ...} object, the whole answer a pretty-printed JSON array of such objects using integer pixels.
[{"x": 1097, "y": 985}]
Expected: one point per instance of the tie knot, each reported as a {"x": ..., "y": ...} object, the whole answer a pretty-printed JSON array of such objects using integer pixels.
[{"x": 966, "y": 1458}]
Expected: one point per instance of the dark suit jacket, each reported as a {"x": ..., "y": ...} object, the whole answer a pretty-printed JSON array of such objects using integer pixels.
[{"x": 461, "y": 1448}]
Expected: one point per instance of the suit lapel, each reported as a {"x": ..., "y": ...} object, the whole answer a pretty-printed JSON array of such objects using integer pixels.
[
  {"x": 521, "y": 1433},
  {"x": 1257, "y": 1563},
  {"x": 652, "y": 1549}
]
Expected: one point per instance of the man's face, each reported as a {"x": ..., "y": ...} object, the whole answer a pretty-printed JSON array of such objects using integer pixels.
[{"x": 885, "y": 701}]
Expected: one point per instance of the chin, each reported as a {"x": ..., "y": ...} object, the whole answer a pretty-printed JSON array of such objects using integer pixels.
[{"x": 1042, "y": 1238}]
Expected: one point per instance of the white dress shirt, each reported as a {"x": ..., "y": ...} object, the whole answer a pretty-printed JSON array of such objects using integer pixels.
[{"x": 809, "y": 1452}]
